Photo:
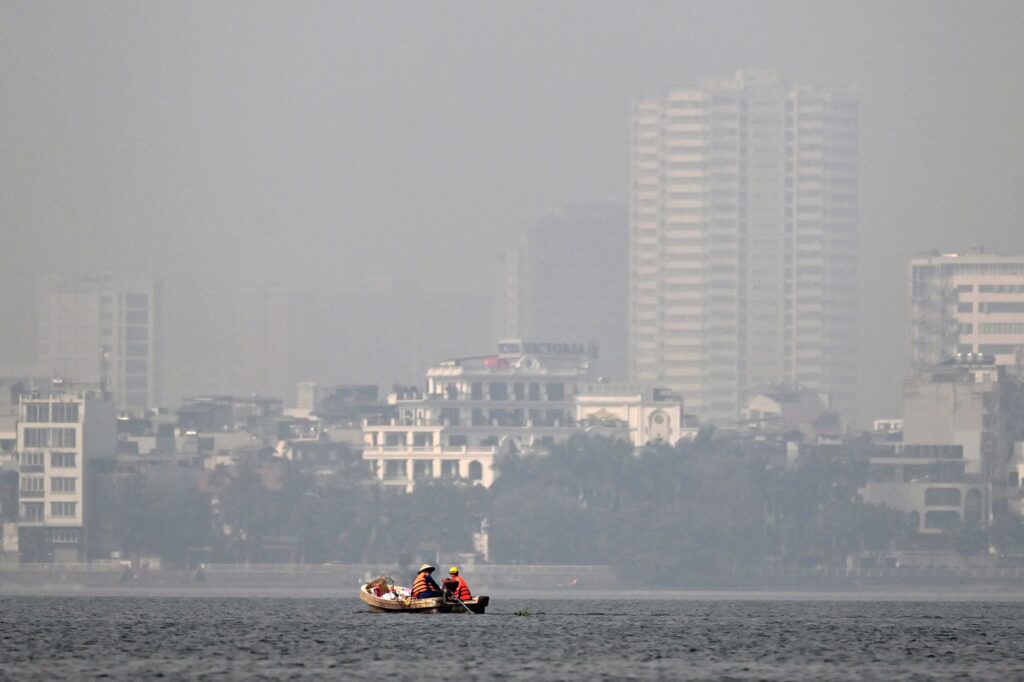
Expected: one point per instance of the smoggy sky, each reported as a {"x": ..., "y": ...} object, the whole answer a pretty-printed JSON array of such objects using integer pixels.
[{"x": 321, "y": 144}]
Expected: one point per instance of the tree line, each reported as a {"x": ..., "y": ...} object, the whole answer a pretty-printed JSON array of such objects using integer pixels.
[{"x": 671, "y": 515}]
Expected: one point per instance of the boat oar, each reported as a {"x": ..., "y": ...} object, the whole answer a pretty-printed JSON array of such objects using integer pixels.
[{"x": 468, "y": 610}]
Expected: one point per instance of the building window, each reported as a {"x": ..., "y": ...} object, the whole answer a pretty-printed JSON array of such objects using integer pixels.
[
  {"x": 1002, "y": 328},
  {"x": 36, "y": 438},
  {"x": 395, "y": 468},
  {"x": 476, "y": 390},
  {"x": 136, "y": 366},
  {"x": 63, "y": 509},
  {"x": 65, "y": 413},
  {"x": 37, "y": 412},
  {"x": 64, "y": 536},
  {"x": 942, "y": 520},
  {"x": 31, "y": 484},
  {"x": 62, "y": 485},
  {"x": 62, "y": 459},
  {"x": 136, "y": 350},
  {"x": 476, "y": 471},
  {"x": 556, "y": 391},
  {"x": 136, "y": 333},
  {"x": 136, "y": 383},
  {"x": 999, "y": 348},
  {"x": 457, "y": 441},
  {"x": 32, "y": 512},
  {"x": 136, "y": 317},
  {"x": 136, "y": 300},
  {"x": 63, "y": 438},
  {"x": 450, "y": 468},
  {"x": 942, "y": 497},
  {"x": 1002, "y": 307},
  {"x": 34, "y": 459},
  {"x": 499, "y": 390},
  {"x": 422, "y": 468}
]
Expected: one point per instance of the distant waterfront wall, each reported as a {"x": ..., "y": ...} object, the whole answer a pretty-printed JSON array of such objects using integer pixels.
[{"x": 342, "y": 577}]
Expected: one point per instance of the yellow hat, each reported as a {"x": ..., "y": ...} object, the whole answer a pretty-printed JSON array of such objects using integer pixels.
[
  {"x": 425, "y": 567},
  {"x": 453, "y": 569}
]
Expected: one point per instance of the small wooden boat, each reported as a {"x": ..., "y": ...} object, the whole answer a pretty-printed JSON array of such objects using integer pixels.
[{"x": 395, "y": 602}]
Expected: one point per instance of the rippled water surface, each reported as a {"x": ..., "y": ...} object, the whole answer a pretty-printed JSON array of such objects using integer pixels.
[{"x": 133, "y": 637}]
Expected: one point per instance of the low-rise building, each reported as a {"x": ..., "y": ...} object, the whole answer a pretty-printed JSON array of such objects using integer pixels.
[
  {"x": 781, "y": 409},
  {"x": 520, "y": 399},
  {"x": 641, "y": 414},
  {"x": 929, "y": 482},
  {"x": 954, "y": 468}
]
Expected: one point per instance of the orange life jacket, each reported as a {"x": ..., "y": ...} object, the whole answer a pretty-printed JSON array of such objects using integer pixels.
[
  {"x": 424, "y": 583},
  {"x": 461, "y": 591}
]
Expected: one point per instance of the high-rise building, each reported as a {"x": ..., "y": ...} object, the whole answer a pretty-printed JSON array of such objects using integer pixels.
[
  {"x": 264, "y": 329},
  {"x": 103, "y": 329},
  {"x": 743, "y": 241},
  {"x": 568, "y": 281},
  {"x": 971, "y": 303}
]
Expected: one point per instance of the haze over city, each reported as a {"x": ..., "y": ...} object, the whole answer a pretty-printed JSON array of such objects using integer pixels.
[
  {"x": 634, "y": 340},
  {"x": 361, "y": 148}
]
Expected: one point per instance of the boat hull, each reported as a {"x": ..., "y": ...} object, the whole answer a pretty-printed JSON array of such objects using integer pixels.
[{"x": 432, "y": 605}]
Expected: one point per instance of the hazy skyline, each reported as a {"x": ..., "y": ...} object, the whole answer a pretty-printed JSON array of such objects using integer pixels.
[{"x": 319, "y": 145}]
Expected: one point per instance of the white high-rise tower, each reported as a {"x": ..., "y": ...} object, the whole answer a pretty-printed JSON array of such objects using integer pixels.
[{"x": 744, "y": 241}]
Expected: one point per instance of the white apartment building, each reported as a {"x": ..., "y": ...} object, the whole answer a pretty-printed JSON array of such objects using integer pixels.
[
  {"x": 102, "y": 329},
  {"x": 58, "y": 431},
  {"x": 972, "y": 303},
  {"x": 744, "y": 241},
  {"x": 516, "y": 400}
]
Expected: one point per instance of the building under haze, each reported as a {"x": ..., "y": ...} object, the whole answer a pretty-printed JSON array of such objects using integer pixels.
[
  {"x": 970, "y": 303},
  {"x": 58, "y": 431},
  {"x": 743, "y": 241},
  {"x": 103, "y": 329},
  {"x": 520, "y": 399},
  {"x": 568, "y": 280}
]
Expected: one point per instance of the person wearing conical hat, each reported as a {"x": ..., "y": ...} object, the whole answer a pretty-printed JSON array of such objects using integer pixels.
[{"x": 424, "y": 586}]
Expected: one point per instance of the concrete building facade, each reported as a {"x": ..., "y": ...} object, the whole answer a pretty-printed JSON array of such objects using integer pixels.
[
  {"x": 519, "y": 399},
  {"x": 743, "y": 241},
  {"x": 58, "y": 432},
  {"x": 931, "y": 484},
  {"x": 103, "y": 329},
  {"x": 568, "y": 280},
  {"x": 972, "y": 303},
  {"x": 641, "y": 414}
]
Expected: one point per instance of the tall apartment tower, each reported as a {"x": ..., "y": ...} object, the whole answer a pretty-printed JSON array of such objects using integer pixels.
[
  {"x": 103, "y": 329},
  {"x": 743, "y": 241},
  {"x": 971, "y": 303}
]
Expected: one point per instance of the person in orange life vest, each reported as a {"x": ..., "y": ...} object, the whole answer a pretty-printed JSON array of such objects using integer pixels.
[
  {"x": 424, "y": 586},
  {"x": 456, "y": 585}
]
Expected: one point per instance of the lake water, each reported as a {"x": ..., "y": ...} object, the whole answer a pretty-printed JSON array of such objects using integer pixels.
[{"x": 694, "y": 638}]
